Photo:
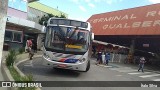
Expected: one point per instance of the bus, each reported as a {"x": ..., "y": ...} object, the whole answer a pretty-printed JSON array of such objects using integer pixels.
[{"x": 67, "y": 44}]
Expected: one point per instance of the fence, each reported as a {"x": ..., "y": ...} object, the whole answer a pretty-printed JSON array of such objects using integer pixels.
[{"x": 118, "y": 58}]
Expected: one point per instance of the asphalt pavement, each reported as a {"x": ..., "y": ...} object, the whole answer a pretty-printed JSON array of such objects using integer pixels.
[
  {"x": 113, "y": 72},
  {"x": 147, "y": 67}
]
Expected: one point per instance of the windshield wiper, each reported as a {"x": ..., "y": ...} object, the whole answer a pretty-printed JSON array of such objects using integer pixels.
[
  {"x": 62, "y": 35},
  {"x": 74, "y": 31}
]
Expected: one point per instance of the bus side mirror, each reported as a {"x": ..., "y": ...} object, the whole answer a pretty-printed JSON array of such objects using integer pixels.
[{"x": 92, "y": 36}]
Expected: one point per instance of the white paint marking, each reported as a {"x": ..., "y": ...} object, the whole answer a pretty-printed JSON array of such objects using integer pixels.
[
  {"x": 145, "y": 76},
  {"x": 30, "y": 63},
  {"x": 138, "y": 73},
  {"x": 156, "y": 80},
  {"x": 127, "y": 70},
  {"x": 118, "y": 75}
]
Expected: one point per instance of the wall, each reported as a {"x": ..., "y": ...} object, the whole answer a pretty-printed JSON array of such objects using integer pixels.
[
  {"x": 40, "y": 41},
  {"x": 16, "y": 13},
  {"x": 35, "y": 15}
]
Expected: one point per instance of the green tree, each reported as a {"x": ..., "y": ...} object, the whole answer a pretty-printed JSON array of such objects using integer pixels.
[
  {"x": 62, "y": 16},
  {"x": 44, "y": 19}
]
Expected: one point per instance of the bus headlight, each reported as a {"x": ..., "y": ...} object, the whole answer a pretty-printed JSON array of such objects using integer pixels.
[
  {"x": 46, "y": 55},
  {"x": 82, "y": 60}
]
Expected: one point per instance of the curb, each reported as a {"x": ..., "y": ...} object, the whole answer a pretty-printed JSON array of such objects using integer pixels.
[
  {"x": 6, "y": 73},
  {"x": 108, "y": 66}
]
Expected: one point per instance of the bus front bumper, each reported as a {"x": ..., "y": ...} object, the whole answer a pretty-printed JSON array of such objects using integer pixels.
[{"x": 72, "y": 66}]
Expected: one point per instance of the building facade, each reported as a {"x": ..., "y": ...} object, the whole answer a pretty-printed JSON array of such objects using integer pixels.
[
  {"x": 137, "y": 28},
  {"x": 17, "y": 26},
  {"x": 22, "y": 22},
  {"x": 37, "y": 10}
]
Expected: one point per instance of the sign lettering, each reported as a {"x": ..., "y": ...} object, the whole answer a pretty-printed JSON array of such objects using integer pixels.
[
  {"x": 133, "y": 23},
  {"x": 74, "y": 46}
]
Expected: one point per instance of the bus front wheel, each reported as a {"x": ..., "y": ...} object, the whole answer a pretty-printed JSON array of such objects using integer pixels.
[{"x": 88, "y": 66}]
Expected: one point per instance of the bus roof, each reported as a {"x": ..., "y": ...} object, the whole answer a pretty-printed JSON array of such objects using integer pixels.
[
  {"x": 66, "y": 19},
  {"x": 68, "y": 22}
]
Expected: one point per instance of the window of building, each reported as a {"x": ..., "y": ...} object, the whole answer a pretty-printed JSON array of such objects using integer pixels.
[
  {"x": 17, "y": 36},
  {"x": 13, "y": 36},
  {"x": 8, "y": 36}
]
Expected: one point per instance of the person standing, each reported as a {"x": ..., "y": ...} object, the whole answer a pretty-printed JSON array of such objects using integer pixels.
[
  {"x": 107, "y": 58},
  {"x": 99, "y": 57},
  {"x": 34, "y": 45},
  {"x": 94, "y": 51},
  {"x": 141, "y": 64},
  {"x": 29, "y": 47}
]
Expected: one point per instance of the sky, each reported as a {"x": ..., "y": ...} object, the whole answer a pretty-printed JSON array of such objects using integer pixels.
[
  {"x": 84, "y": 9},
  {"x": 18, "y": 4}
]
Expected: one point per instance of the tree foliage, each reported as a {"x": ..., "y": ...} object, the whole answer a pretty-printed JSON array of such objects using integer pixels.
[{"x": 44, "y": 19}]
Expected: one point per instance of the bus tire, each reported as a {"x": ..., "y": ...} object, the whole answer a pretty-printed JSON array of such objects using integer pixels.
[
  {"x": 57, "y": 69},
  {"x": 88, "y": 66}
]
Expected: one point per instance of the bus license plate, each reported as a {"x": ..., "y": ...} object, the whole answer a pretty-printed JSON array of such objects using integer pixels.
[{"x": 62, "y": 65}]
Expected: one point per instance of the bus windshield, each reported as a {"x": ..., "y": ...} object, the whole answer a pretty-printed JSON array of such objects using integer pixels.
[{"x": 66, "y": 39}]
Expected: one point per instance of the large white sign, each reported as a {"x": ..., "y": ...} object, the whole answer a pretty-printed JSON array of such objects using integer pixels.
[{"x": 3, "y": 14}]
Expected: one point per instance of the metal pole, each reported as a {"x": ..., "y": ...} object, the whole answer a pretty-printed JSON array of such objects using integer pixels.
[
  {"x": 112, "y": 57},
  {"x": 120, "y": 57},
  {"x": 131, "y": 51}
]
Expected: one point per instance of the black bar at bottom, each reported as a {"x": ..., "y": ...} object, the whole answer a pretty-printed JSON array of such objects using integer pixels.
[
  {"x": 100, "y": 84},
  {"x": 91, "y": 83}
]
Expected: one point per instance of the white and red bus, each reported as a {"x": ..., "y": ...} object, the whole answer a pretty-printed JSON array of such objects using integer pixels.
[{"x": 67, "y": 44}]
